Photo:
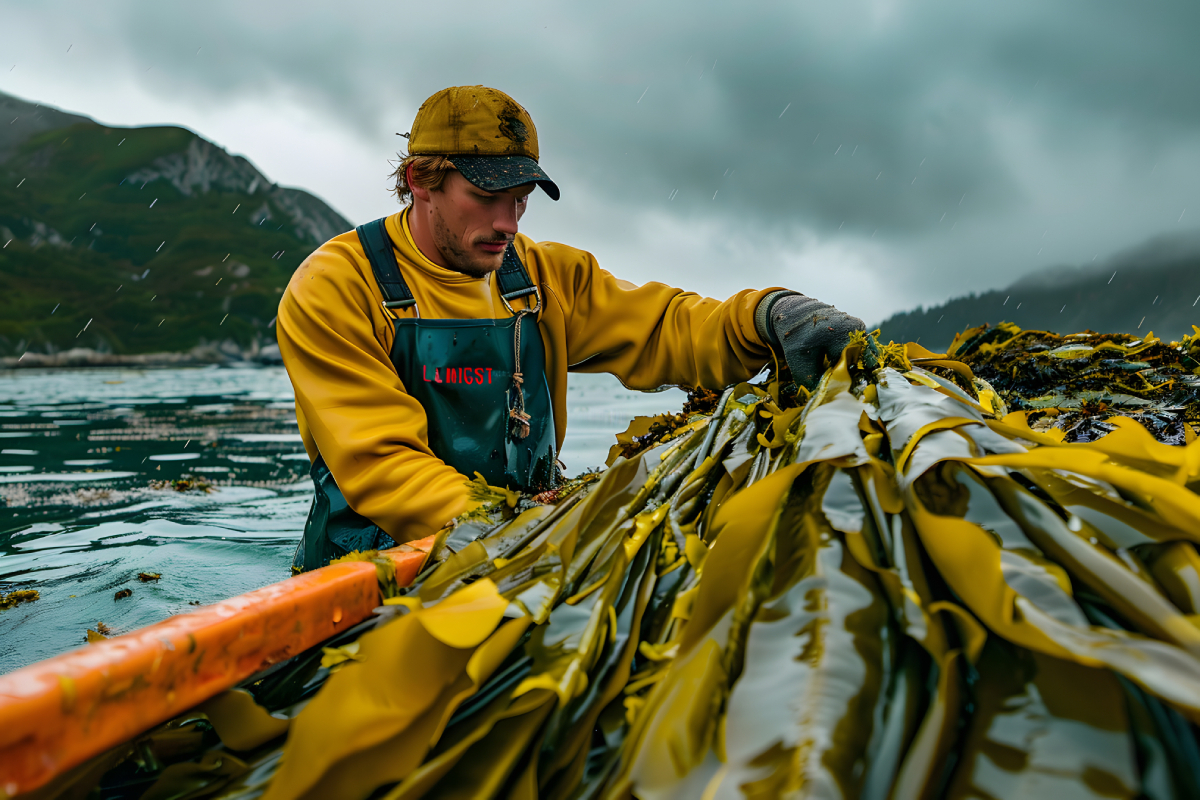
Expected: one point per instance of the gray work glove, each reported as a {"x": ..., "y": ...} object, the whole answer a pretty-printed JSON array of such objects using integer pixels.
[{"x": 806, "y": 331}]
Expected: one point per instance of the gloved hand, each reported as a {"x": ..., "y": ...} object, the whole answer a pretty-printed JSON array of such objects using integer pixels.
[{"x": 807, "y": 331}]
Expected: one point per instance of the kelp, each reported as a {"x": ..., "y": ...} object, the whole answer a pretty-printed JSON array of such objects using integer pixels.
[
  {"x": 895, "y": 587},
  {"x": 644, "y": 432},
  {"x": 1074, "y": 383},
  {"x": 15, "y": 598}
]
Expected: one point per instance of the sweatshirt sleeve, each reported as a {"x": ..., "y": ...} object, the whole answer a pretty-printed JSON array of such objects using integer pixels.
[
  {"x": 372, "y": 434},
  {"x": 653, "y": 335}
]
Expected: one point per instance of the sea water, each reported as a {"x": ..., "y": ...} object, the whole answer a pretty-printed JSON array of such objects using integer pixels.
[{"x": 91, "y": 467}]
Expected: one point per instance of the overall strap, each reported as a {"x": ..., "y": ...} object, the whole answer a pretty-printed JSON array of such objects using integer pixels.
[
  {"x": 378, "y": 247},
  {"x": 512, "y": 276}
]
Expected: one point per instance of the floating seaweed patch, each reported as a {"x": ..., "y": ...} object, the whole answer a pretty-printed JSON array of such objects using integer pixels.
[
  {"x": 99, "y": 634},
  {"x": 185, "y": 484},
  {"x": 13, "y": 599}
]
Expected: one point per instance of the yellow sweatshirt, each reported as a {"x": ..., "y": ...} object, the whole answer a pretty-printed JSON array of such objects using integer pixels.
[{"x": 335, "y": 338}]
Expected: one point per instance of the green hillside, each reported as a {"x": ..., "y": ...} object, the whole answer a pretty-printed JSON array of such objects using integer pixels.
[
  {"x": 140, "y": 240},
  {"x": 1154, "y": 287}
]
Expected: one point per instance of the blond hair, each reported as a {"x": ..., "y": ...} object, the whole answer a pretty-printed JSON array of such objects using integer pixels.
[{"x": 428, "y": 172}]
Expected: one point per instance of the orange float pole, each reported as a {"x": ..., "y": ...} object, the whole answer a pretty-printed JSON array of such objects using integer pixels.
[{"x": 60, "y": 712}]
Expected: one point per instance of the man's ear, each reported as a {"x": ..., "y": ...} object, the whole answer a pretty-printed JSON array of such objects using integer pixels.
[{"x": 419, "y": 192}]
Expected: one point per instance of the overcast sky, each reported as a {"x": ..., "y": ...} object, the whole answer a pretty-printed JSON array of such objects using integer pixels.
[{"x": 877, "y": 155}]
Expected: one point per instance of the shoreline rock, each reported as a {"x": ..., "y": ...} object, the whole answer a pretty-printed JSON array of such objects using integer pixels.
[{"x": 201, "y": 355}]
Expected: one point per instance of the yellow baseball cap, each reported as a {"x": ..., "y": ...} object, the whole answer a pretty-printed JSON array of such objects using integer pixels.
[{"x": 490, "y": 138}]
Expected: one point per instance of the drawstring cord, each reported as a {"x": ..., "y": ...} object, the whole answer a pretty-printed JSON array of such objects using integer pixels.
[{"x": 520, "y": 419}]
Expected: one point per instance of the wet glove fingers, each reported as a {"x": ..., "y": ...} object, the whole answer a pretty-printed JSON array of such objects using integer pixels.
[{"x": 808, "y": 332}]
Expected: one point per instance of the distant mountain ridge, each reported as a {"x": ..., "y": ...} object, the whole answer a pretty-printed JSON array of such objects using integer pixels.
[
  {"x": 140, "y": 240},
  {"x": 205, "y": 168},
  {"x": 1154, "y": 286}
]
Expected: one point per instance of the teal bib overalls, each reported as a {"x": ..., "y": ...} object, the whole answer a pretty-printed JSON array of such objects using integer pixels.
[{"x": 482, "y": 384}]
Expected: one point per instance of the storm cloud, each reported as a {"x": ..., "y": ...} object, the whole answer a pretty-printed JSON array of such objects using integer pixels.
[{"x": 875, "y": 154}]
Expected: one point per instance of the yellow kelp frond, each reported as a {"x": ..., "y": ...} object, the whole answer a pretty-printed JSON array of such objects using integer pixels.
[
  {"x": 393, "y": 700},
  {"x": 334, "y": 657},
  {"x": 868, "y": 353},
  {"x": 894, "y": 355},
  {"x": 484, "y": 493},
  {"x": 1191, "y": 342},
  {"x": 385, "y": 568},
  {"x": 487, "y": 504},
  {"x": 970, "y": 574}
]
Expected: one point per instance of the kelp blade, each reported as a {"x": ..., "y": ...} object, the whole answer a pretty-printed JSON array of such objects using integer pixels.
[{"x": 916, "y": 582}]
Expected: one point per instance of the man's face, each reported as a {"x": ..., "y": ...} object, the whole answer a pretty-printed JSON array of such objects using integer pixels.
[{"x": 472, "y": 227}]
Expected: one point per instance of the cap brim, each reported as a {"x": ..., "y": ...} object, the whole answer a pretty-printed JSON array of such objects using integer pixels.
[{"x": 497, "y": 173}]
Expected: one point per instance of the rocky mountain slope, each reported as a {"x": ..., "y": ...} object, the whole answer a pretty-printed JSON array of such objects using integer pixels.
[{"x": 130, "y": 241}]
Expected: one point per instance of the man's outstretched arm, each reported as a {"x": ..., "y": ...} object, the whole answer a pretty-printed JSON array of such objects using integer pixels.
[{"x": 654, "y": 335}]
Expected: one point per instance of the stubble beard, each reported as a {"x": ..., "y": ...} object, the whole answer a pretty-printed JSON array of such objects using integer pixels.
[{"x": 458, "y": 258}]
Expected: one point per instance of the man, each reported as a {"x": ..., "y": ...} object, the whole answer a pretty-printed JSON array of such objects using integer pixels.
[{"x": 435, "y": 343}]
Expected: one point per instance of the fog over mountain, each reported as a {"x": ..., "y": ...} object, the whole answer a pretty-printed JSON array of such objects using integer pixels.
[{"x": 1152, "y": 287}]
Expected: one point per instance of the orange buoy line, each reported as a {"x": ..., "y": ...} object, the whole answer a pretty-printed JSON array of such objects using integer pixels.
[{"x": 60, "y": 712}]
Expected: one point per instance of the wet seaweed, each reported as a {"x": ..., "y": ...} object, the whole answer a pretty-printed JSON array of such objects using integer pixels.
[{"x": 961, "y": 574}]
